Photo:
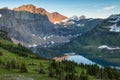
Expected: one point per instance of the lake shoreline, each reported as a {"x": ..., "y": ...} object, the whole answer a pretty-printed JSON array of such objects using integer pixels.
[{"x": 77, "y": 58}]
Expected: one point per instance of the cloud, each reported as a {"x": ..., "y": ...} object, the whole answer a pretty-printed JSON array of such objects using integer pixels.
[{"x": 109, "y": 8}]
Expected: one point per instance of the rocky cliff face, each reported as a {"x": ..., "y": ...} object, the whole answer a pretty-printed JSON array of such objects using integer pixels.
[
  {"x": 29, "y": 29},
  {"x": 32, "y": 28},
  {"x": 23, "y": 26},
  {"x": 53, "y": 17}
]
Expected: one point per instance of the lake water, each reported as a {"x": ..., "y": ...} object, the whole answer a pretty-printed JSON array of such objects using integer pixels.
[{"x": 80, "y": 59}]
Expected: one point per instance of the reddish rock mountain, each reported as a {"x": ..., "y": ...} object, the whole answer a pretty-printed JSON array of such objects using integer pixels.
[{"x": 53, "y": 17}]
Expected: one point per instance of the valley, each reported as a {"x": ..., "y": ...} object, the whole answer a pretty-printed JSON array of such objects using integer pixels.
[
  {"x": 42, "y": 44},
  {"x": 88, "y": 45},
  {"x": 15, "y": 65},
  {"x": 29, "y": 29}
]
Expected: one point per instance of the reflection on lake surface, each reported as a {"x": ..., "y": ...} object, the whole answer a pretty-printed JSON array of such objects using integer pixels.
[{"x": 79, "y": 59}]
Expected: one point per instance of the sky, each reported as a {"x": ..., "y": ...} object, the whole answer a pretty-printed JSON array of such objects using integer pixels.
[{"x": 89, "y": 8}]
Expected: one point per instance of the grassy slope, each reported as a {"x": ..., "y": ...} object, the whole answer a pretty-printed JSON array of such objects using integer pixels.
[
  {"x": 7, "y": 56},
  {"x": 31, "y": 74},
  {"x": 9, "y": 75}
]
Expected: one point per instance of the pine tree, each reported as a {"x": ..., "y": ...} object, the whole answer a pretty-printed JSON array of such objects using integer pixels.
[
  {"x": 13, "y": 64},
  {"x": 51, "y": 73},
  {"x": 23, "y": 68},
  {"x": 42, "y": 71},
  {"x": 83, "y": 76},
  {"x": 1, "y": 61},
  {"x": 8, "y": 65},
  {"x": 1, "y": 53}
]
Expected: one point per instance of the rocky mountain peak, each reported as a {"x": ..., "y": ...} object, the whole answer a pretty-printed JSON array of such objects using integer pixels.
[
  {"x": 55, "y": 13},
  {"x": 82, "y": 17},
  {"x": 41, "y": 11},
  {"x": 74, "y": 18},
  {"x": 53, "y": 17},
  {"x": 114, "y": 16},
  {"x": 30, "y": 8},
  {"x": 5, "y": 8}
]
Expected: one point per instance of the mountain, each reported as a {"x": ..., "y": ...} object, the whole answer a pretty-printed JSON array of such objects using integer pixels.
[
  {"x": 75, "y": 26},
  {"x": 32, "y": 29},
  {"x": 82, "y": 17},
  {"x": 101, "y": 43},
  {"x": 53, "y": 17},
  {"x": 73, "y": 18},
  {"x": 23, "y": 26}
]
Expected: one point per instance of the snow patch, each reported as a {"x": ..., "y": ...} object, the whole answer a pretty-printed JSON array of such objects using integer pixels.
[
  {"x": 44, "y": 38},
  {"x": 65, "y": 20},
  {"x": 65, "y": 26},
  {"x": 45, "y": 46},
  {"x": 103, "y": 46},
  {"x": 52, "y": 42},
  {"x": 50, "y": 36},
  {"x": 56, "y": 22},
  {"x": 107, "y": 47},
  {"x": 29, "y": 46},
  {"x": 74, "y": 18},
  {"x": 33, "y": 34},
  {"x": 114, "y": 28},
  {"x": 77, "y": 35},
  {"x": 0, "y": 15},
  {"x": 71, "y": 22},
  {"x": 81, "y": 25},
  {"x": 34, "y": 45},
  {"x": 90, "y": 19},
  {"x": 70, "y": 35}
]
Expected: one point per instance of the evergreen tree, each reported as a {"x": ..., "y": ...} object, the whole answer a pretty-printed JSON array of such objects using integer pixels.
[
  {"x": 23, "y": 68},
  {"x": 42, "y": 71},
  {"x": 8, "y": 65},
  {"x": 13, "y": 64},
  {"x": 1, "y": 53},
  {"x": 51, "y": 73},
  {"x": 83, "y": 77},
  {"x": 1, "y": 61}
]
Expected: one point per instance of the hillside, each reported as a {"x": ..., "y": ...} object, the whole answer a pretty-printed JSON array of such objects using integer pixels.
[
  {"x": 12, "y": 56},
  {"x": 17, "y": 62}
]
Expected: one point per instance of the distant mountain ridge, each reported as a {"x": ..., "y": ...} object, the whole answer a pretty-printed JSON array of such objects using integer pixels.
[{"x": 53, "y": 17}]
